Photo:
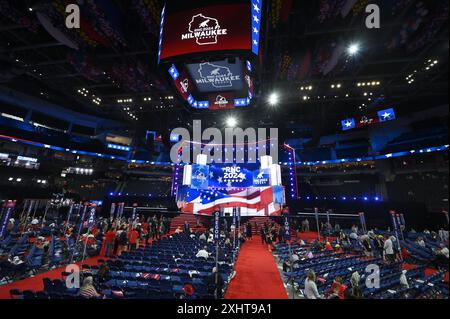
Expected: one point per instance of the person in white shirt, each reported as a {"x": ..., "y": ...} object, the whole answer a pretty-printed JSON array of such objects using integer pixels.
[
  {"x": 202, "y": 237},
  {"x": 403, "y": 280},
  {"x": 202, "y": 253},
  {"x": 311, "y": 291},
  {"x": 389, "y": 249}
]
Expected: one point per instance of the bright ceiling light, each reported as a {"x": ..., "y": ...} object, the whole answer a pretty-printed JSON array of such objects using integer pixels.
[
  {"x": 231, "y": 122},
  {"x": 273, "y": 99},
  {"x": 353, "y": 49}
]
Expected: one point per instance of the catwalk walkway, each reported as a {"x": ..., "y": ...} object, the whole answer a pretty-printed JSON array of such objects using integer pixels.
[{"x": 257, "y": 275}]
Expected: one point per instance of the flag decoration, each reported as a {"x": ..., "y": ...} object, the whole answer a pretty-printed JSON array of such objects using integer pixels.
[
  {"x": 264, "y": 201},
  {"x": 386, "y": 115},
  {"x": 256, "y": 25},
  {"x": 369, "y": 119},
  {"x": 348, "y": 124}
]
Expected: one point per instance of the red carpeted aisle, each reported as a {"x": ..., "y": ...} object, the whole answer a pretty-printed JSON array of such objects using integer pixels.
[
  {"x": 257, "y": 275},
  {"x": 35, "y": 283}
]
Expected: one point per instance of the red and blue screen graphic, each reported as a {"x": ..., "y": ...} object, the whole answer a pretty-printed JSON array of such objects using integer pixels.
[{"x": 214, "y": 28}]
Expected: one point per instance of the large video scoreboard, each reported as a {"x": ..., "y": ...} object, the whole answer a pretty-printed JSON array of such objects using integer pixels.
[{"x": 211, "y": 51}]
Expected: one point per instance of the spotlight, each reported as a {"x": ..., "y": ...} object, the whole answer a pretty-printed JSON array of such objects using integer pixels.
[
  {"x": 353, "y": 49},
  {"x": 273, "y": 99},
  {"x": 231, "y": 122}
]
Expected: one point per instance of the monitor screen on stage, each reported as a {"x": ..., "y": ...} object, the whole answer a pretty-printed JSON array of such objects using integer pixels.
[
  {"x": 217, "y": 186},
  {"x": 213, "y": 28}
]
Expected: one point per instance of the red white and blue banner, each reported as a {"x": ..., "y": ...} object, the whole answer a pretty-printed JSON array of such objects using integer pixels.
[
  {"x": 8, "y": 208},
  {"x": 217, "y": 226},
  {"x": 91, "y": 218},
  {"x": 370, "y": 119},
  {"x": 287, "y": 228},
  {"x": 253, "y": 201}
]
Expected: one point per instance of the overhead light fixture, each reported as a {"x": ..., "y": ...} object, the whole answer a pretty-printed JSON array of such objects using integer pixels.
[
  {"x": 274, "y": 99},
  {"x": 353, "y": 49},
  {"x": 231, "y": 122}
]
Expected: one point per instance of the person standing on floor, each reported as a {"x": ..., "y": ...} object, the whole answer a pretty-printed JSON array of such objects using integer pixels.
[
  {"x": 249, "y": 231},
  {"x": 263, "y": 236},
  {"x": 280, "y": 234},
  {"x": 311, "y": 291}
]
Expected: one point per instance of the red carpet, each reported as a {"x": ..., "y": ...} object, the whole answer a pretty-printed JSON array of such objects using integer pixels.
[
  {"x": 257, "y": 275},
  {"x": 35, "y": 283}
]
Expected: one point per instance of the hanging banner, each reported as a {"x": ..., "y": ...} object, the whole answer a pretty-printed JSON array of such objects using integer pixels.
[
  {"x": 30, "y": 208},
  {"x": 69, "y": 214},
  {"x": 134, "y": 212},
  {"x": 234, "y": 216},
  {"x": 8, "y": 208},
  {"x": 112, "y": 211},
  {"x": 446, "y": 214},
  {"x": 402, "y": 218},
  {"x": 120, "y": 210},
  {"x": 399, "y": 221},
  {"x": 394, "y": 221},
  {"x": 362, "y": 219},
  {"x": 83, "y": 215},
  {"x": 216, "y": 228},
  {"x": 287, "y": 228},
  {"x": 91, "y": 218}
]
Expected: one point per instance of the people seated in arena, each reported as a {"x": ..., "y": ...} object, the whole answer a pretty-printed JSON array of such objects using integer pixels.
[
  {"x": 337, "y": 289},
  {"x": 203, "y": 253},
  {"x": 441, "y": 257},
  {"x": 290, "y": 264},
  {"x": 188, "y": 292},
  {"x": 421, "y": 242},
  {"x": 328, "y": 246},
  {"x": 338, "y": 249}
]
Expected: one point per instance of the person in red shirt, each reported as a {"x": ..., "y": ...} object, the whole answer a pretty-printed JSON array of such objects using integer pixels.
[
  {"x": 328, "y": 246},
  {"x": 337, "y": 289},
  {"x": 108, "y": 243},
  {"x": 133, "y": 239}
]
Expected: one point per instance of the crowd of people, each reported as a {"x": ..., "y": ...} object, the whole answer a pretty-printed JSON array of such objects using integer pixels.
[{"x": 106, "y": 237}]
